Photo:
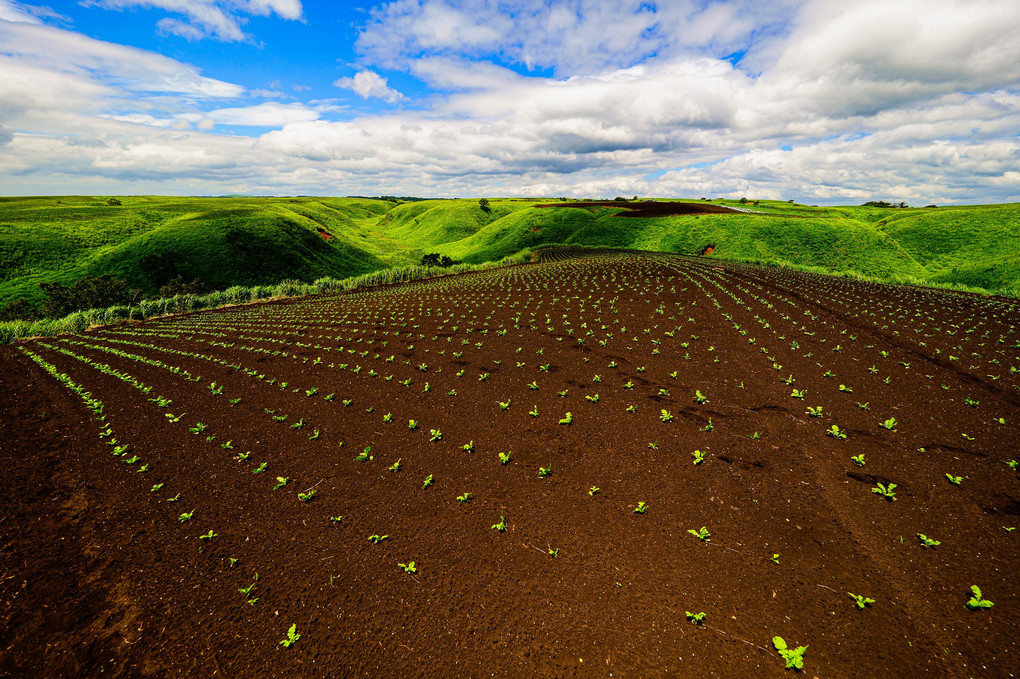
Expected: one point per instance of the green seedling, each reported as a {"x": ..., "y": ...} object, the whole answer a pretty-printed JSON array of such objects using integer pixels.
[
  {"x": 700, "y": 398},
  {"x": 858, "y": 459},
  {"x": 955, "y": 480},
  {"x": 244, "y": 456},
  {"x": 186, "y": 516},
  {"x": 774, "y": 559},
  {"x": 463, "y": 498},
  {"x": 336, "y": 519},
  {"x": 977, "y": 601},
  {"x": 631, "y": 408},
  {"x": 435, "y": 435},
  {"x": 666, "y": 416},
  {"x": 533, "y": 412},
  {"x": 468, "y": 447},
  {"x": 927, "y": 541},
  {"x": 281, "y": 481},
  {"x": 307, "y": 497},
  {"x": 594, "y": 490},
  {"x": 156, "y": 487},
  {"x": 504, "y": 405},
  {"x": 567, "y": 419},
  {"x": 709, "y": 426},
  {"x": 246, "y": 591},
  {"x": 299, "y": 424},
  {"x": 501, "y": 526},
  {"x": 641, "y": 508},
  {"x": 695, "y": 618},
  {"x": 395, "y": 467},
  {"x": 197, "y": 429},
  {"x": 292, "y": 636},
  {"x": 233, "y": 561},
  {"x": 889, "y": 424},
  {"x": 504, "y": 458},
  {"x": 376, "y": 539},
  {"x": 1012, "y": 464},
  {"x": 885, "y": 491},
  {"x": 835, "y": 433},
  {"x": 408, "y": 567},
  {"x": 553, "y": 552},
  {"x": 863, "y": 406},
  {"x": 427, "y": 482},
  {"x": 545, "y": 471},
  {"x": 861, "y": 601},
  {"x": 261, "y": 468},
  {"x": 702, "y": 534},
  {"x": 798, "y": 393},
  {"x": 208, "y": 536},
  {"x": 814, "y": 412},
  {"x": 698, "y": 456},
  {"x": 412, "y": 424},
  {"x": 563, "y": 393},
  {"x": 175, "y": 498},
  {"x": 387, "y": 418},
  {"x": 794, "y": 657}
]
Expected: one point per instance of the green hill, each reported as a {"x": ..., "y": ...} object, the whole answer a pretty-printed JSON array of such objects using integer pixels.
[{"x": 149, "y": 240}]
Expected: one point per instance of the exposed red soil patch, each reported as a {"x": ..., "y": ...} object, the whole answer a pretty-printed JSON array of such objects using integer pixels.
[
  {"x": 657, "y": 208},
  {"x": 326, "y": 235},
  {"x": 98, "y": 572}
]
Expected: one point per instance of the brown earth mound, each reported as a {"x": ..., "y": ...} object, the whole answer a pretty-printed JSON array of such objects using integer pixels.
[
  {"x": 552, "y": 469},
  {"x": 649, "y": 208}
]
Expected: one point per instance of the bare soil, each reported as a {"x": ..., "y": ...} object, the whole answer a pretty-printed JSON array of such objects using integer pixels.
[{"x": 99, "y": 574}]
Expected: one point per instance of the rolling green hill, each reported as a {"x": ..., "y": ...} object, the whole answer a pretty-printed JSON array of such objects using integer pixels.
[{"x": 149, "y": 240}]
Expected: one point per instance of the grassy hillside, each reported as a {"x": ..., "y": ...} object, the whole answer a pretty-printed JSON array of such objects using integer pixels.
[{"x": 149, "y": 240}]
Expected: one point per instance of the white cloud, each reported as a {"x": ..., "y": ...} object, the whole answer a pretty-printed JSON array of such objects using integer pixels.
[
  {"x": 72, "y": 53},
  {"x": 368, "y": 84},
  {"x": 269, "y": 114},
  {"x": 220, "y": 19},
  {"x": 572, "y": 37},
  {"x": 889, "y": 99}
]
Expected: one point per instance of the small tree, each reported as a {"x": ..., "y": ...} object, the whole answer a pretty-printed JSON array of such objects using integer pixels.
[{"x": 484, "y": 204}]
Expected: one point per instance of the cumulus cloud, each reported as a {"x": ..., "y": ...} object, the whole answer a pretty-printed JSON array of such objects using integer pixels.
[
  {"x": 571, "y": 37},
  {"x": 368, "y": 84},
  {"x": 220, "y": 19},
  {"x": 889, "y": 99}
]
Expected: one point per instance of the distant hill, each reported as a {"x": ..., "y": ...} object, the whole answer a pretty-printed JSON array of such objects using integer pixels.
[{"x": 149, "y": 240}]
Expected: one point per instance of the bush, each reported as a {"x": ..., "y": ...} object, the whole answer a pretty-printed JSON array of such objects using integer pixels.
[{"x": 86, "y": 293}]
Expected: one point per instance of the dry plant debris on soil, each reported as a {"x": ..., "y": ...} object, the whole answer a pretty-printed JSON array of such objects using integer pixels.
[{"x": 608, "y": 464}]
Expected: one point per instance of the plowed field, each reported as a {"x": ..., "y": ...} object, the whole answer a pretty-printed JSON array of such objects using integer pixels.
[{"x": 544, "y": 470}]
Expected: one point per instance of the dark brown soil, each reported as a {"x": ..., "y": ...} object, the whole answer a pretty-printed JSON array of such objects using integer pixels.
[
  {"x": 649, "y": 208},
  {"x": 100, "y": 576}
]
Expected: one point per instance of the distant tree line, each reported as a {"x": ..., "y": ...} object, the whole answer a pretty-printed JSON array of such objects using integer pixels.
[{"x": 882, "y": 203}]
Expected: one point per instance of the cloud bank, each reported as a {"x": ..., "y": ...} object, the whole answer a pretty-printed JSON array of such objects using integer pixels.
[{"x": 812, "y": 100}]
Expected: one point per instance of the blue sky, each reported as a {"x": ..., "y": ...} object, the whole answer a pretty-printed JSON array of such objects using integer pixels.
[{"x": 820, "y": 101}]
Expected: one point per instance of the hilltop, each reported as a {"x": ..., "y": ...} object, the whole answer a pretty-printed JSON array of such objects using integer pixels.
[{"x": 150, "y": 240}]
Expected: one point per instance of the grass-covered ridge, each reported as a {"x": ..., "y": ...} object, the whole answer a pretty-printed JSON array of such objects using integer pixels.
[{"x": 149, "y": 240}]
